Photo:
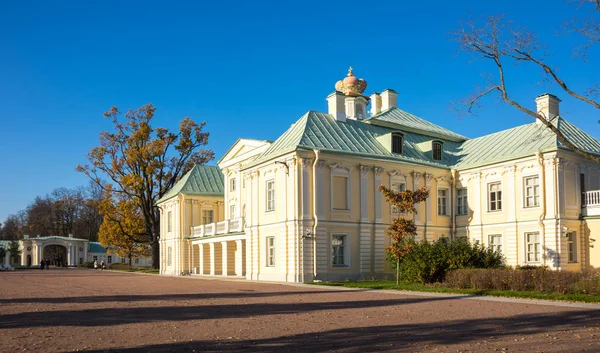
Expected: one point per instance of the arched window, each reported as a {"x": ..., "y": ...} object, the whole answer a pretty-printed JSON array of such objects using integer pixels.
[
  {"x": 397, "y": 141},
  {"x": 437, "y": 150}
]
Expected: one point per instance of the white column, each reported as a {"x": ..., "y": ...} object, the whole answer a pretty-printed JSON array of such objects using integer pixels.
[
  {"x": 69, "y": 254},
  {"x": 379, "y": 235},
  {"x": 85, "y": 254},
  {"x": 239, "y": 258},
  {"x": 306, "y": 164},
  {"x": 378, "y": 200},
  {"x": 201, "y": 259},
  {"x": 429, "y": 200},
  {"x": 212, "y": 258},
  {"x": 224, "y": 271},
  {"x": 365, "y": 236}
]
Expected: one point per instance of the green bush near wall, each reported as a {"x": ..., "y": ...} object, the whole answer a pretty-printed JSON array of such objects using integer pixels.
[{"x": 430, "y": 262}]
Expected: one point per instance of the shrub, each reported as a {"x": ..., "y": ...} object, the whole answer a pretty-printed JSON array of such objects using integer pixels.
[
  {"x": 429, "y": 262},
  {"x": 87, "y": 264},
  {"x": 539, "y": 280},
  {"x": 120, "y": 266}
]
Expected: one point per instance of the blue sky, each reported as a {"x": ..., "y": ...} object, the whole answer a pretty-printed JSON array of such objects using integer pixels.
[{"x": 249, "y": 69}]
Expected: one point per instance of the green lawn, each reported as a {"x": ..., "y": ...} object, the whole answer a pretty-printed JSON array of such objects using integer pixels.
[
  {"x": 391, "y": 285},
  {"x": 138, "y": 269}
]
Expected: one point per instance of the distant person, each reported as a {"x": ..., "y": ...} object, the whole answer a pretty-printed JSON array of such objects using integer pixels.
[
  {"x": 102, "y": 265},
  {"x": 42, "y": 264},
  {"x": 95, "y": 264}
]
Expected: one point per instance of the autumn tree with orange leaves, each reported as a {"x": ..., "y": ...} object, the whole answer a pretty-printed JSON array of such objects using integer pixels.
[
  {"x": 141, "y": 163},
  {"x": 402, "y": 230}
]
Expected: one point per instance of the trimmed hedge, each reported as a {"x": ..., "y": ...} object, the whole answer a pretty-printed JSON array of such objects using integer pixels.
[
  {"x": 87, "y": 264},
  {"x": 429, "y": 262},
  {"x": 539, "y": 280},
  {"x": 120, "y": 266}
]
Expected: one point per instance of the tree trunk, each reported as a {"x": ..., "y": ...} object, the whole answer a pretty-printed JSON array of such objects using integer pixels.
[
  {"x": 397, "y": 272},
  {"x": 155, "y": 255}
]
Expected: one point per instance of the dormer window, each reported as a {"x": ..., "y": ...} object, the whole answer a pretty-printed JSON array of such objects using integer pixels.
[
  {"x": 437, "y": 150},
  {"x": 397, "y": 141}
]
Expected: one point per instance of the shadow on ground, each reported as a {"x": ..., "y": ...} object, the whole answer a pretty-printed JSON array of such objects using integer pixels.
[{"x": 396, "y": 337}]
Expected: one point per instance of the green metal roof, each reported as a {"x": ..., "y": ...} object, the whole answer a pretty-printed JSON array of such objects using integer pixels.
[
  {"x": 521, "y": 141},
  {"x": 408, "y": 122},
  {"x": 200, "y": 180},
  {"x": 96, "y": 247},
  {"x": 323, "y": 132}
]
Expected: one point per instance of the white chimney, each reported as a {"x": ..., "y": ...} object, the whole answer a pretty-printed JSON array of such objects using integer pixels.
[
  {"x": 389, "y": 99},
  {"x": 375, "y": 103},
  {"x": 547, "y": 106},
  {"x": 336, "y": 105}
]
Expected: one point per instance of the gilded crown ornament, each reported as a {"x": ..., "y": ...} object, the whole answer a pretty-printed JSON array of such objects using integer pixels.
[{"x": 351, "y": 86}]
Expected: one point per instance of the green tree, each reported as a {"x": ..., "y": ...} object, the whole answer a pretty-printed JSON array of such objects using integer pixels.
[
  {"x": 508, "y": 47},
  {"x": 141, "y": 164},
  {"x": 402, "y": 230},
  {"x": 13, "y": 249},
  {"x": 2, "y": 253}
]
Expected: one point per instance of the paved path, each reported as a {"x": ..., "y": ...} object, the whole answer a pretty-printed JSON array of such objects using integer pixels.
[{"x": 69, "y": 310}]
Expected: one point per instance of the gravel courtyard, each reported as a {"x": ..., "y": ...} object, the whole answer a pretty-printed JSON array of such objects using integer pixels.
[{"x": 95, "y": 311}]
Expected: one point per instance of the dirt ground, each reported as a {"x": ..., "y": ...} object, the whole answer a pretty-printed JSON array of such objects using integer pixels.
[{"x": 95, "y": 311}]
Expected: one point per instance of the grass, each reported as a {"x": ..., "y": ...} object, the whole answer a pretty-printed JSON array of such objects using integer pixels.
[
  {"x": 391, "y": 285},
  {"x": 138, "y": 269}
]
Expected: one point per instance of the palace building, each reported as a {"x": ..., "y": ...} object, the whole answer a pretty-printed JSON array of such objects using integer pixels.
[{"x": 306, "y": 207}]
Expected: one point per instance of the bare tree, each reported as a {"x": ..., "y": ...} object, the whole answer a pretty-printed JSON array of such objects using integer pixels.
[{"x": 502, "y": 43}]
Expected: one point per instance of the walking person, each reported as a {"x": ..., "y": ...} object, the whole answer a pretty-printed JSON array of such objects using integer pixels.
[
  {"x": 95, "y": 264},
  {"x": 102, "y": 265},
  {"x": 42, "y": 264}
]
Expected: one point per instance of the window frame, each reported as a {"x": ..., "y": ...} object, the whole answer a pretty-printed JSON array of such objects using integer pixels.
[
  {"x": 402, "y": 187},
  {"x": 169, "y": 256},
  {"x": 440, "y": 150},
  {"x": 270, "y": 258},
  {"x": 109, "y": 259},
  {"x": 537, "y": 248},
  {"x": 572, "y": 253},
  {"x": 169, "y": 221},
  {"x": 465, "y": 203},
  {"x": 535, "y": 189},
  {"x": 498, "y": 200},
  {"x": 212, "y": 216},
  {"x": 232, "y": 209},
  {"x": 345, "y": 250},
  {"x": 443, "y": 206},
  {"x": 232, "y": 185},
  {"x": 269, "y": 204},
  {"x": 496, "y": 247},
  {"x": 401, "y": 144}
]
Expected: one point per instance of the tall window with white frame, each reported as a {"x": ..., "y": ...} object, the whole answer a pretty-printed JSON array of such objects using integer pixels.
[
  {"x": 340, "y": 192},
  {"x": 270, "y": 251},
  {"x": 495, "y": 242},
  {"x": 572, "y": 246},
  {"x": 338, "y": 248},
  {"x": 398, "y": 187},
  {"x": 532, "y": 191},
  {"x": 532, "y": 247},
  {"x": 442, "y": 202},
  {"x": 397, "y": 141},
  {"x": 270, "y": 198},
  {"x": 207, "y": 216},
  {"x": 462, "y": 205},
  {"x": 169, "y": 221},
  {"x": 495, "y": 197},
  {"x": 232, "y": 210},
  {"x": 232, "y": 184}
]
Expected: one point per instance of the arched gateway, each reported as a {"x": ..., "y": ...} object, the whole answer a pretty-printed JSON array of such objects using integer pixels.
[{"x": 59, "y": 251}]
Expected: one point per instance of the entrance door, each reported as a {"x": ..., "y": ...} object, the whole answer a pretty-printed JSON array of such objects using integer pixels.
[{"x": 28, "y": 260}]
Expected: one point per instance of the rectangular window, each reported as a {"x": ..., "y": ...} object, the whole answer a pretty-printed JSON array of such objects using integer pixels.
[
  {"x": 95, "y": 258},
  {"x": 572, "y": 246},
  {"x": 532, "y": 191},
  {"x": 232, "y": 184},
  {"x": 81, "y": 260},
  {"x": 270, "y": 195},
  {"x": 109, "y": 259},
  {"x": 169, "y": 256},
  {"x": 532, "y": 247},
  {"x": 397, "y": 143},
  {"x": 207, "y": 216},
  {"x": 169, "y": 221},
  {"x": 137, "y": 261},
  {"x": 123, "y": 260},
  {"x": 340, "y": 192},
  {"x": 338, "y": 248},
  {"x": 232, "y": 211},
  {"x": 495, "y": 242},
  {"x": 442, "y": 202},
  {"x": 462, "y": 206},
  {"x": 270, "y": 251},
  {"x": 495, "y": 197},
  {"x": 437, "y": 151},
  {"x": 398, "y": 187}
]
